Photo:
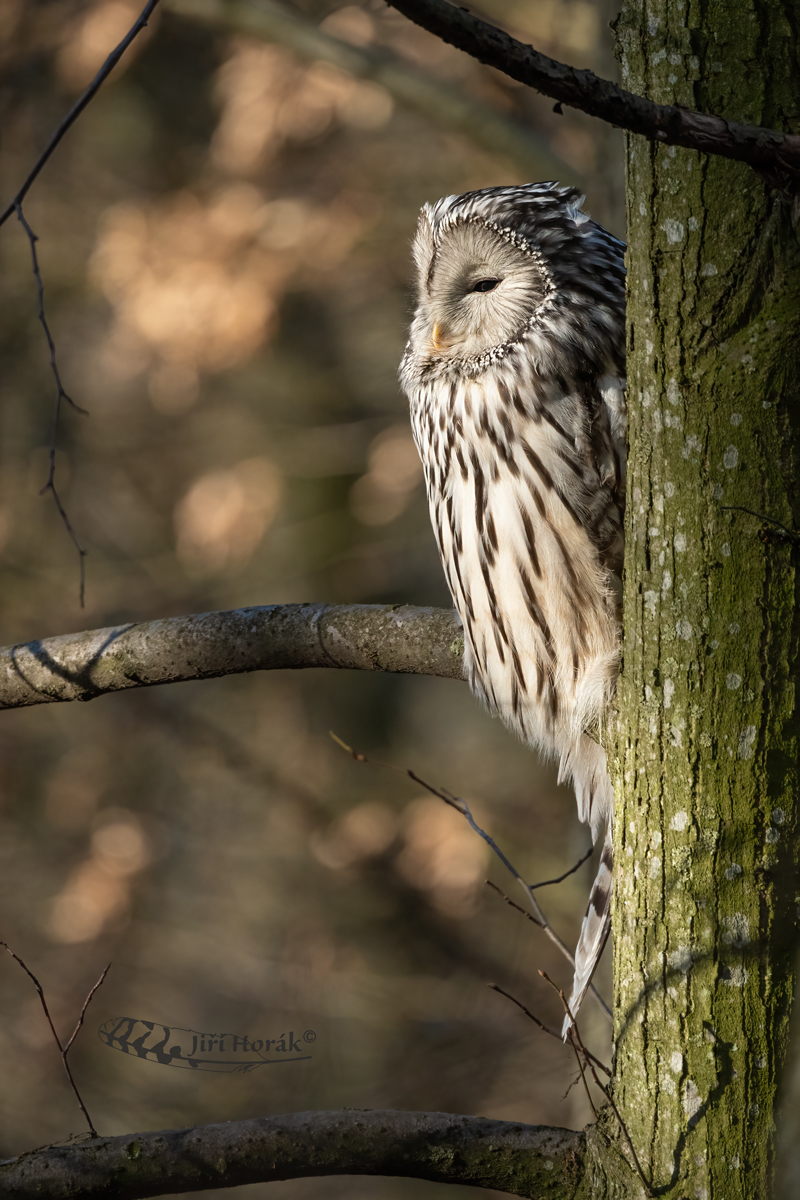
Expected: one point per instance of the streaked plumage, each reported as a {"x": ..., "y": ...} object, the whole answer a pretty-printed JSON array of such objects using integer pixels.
[{"x": 517, "y": 405}]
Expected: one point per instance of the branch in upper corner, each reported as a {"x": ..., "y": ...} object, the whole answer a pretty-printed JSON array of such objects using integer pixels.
[
  {"x": 773, "y": 154},
  {"x": 362, "y": 637},
  {"x": 523, "y": 1160},
  {"x": 80, "y": 104}
]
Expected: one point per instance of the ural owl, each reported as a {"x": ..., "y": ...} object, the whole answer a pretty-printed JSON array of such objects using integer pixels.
[{"x": 514, "y": 372}]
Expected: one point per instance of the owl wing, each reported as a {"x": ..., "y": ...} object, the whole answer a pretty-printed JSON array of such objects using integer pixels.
[{"x": 596, "y": 798}]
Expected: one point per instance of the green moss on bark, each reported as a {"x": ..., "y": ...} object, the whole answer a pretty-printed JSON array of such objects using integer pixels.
[{"x": 707, "y": 753}]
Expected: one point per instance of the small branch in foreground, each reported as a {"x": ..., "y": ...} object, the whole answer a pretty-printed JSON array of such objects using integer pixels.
[
  {"x": 521, "y": 1160},
  {"x": 791, "y": 534},
  {"x": 513, "y": 904},
  {"x": 462, "y": 807},
  {"x": 566, "y": 875},
  {"x": 773, "y": 154},
  {"x": 575, "y": 1035},
  {"x": 61, "y": 395},
  {"x": 546, "y": 1028},
  {"x": 80, "y": 104},
  {"x": 64, "y": 1050}
]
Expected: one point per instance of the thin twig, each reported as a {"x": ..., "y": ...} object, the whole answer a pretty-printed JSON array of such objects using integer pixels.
[
  {"x": 566, "y": 875},
  {"x": 16, "y": 207},
  {"x": 513, "y": 904},
  {"x": 61, "y": 395},
  {"x": 461, "y": 806},
  {"x": 64, "y": 1050},
  {"x": 790, "y": 533},
  {"x": 605, "y": 1090},
  {"x": 545, "y": 1028},
  {"x": 86, "y": 1003},
  {"x": 582, "y": 1069},
  {"x": 775, "y": 155},
  {"x": 80, "y": 104}
]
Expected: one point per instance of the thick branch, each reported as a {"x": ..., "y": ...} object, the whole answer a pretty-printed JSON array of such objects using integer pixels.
[
  {"x": 774, "y": 154},
  {"x": 524, "y": 1160},
  {"x": 446, "y": 104},
  {"x": 365, "y": 637}
]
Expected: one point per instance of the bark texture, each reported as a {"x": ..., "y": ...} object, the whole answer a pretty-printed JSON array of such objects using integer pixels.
[
  {"x": 365, "y": 637},
  {"x": 707, "y": 751},
  {"x": 524, "y": 1160}
]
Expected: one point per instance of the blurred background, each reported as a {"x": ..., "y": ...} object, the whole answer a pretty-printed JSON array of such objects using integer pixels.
[{"x": 224, "y": 242}]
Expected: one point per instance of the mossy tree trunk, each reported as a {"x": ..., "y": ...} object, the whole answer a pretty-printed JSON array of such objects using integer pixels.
[{"x": 707, "y": 747}]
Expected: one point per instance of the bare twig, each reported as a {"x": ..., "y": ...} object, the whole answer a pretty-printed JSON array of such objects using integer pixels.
[
  {"x": 64, "y": 1050},
  {"x": 16, "y": 207},
  {"x": 574, "y": 1033},
  {"x": 462, "y": 807},
  {"x": 792, "y": 534},
  {"x": 61, "y": 395},
  {"x": 582, "y": 1062},
  {"x": 546, "y": 1028},
  {"x": 566, "y": 875},
  {"x": 86, "y": 1003},
  {"x": 512, "y": 904},
  {"x": 582, "y": 1070},
  {"x": 774, "y": 154},
  {"x": 80, "y": 104}
]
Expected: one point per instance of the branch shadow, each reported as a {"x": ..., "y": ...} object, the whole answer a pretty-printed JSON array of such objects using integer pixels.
[
  {"x": 80, "y": 677},
  {"x": 725, "y": 1071}
]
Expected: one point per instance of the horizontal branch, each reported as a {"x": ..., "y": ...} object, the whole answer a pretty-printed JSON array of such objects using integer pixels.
[
  {"x": 776, "y": 155},
  {"x": 524, "y": 1160},
  {"x": 443, "y": 102},
  {"x": 364, "y": 637}
]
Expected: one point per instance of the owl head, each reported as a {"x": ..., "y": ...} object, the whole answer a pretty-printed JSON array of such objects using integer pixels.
[{"x": 513, "y": 268}]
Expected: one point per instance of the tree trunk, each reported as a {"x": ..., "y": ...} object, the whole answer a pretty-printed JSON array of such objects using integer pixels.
[{"x": 706, "y": 749}]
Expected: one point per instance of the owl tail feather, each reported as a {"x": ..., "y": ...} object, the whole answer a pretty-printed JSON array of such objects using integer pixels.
[
  {"x": 584, "y": 762},
  {"x": 594, "y": 931}
]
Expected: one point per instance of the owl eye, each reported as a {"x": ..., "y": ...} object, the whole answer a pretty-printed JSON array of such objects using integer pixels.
[{"x": 485, "y": 285}]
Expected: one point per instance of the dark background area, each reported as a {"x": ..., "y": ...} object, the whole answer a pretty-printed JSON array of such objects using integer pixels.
[{"x": 224, "y": 242}]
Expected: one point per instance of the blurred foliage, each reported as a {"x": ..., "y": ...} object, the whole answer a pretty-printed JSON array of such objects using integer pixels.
[{"x": 224, "y": 244}]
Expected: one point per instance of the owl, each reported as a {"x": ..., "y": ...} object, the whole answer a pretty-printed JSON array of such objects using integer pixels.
[{"x": 514, "y": 371}]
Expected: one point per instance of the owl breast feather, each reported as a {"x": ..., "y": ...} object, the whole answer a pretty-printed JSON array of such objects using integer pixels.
[{"x": 524, "y": 492}]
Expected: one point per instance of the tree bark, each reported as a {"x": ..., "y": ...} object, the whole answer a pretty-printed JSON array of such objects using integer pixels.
[
  {"x": 524, "y": 1160},
  {"x": 706, "y": 753},
  {"x": 365, "y": 637}
]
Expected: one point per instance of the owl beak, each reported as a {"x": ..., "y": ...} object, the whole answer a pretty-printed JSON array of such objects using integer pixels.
[{"x": 439, "y": 339}]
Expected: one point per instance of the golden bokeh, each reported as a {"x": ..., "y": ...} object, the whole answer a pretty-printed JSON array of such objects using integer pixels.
[{"x": 224, "y": 239}]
